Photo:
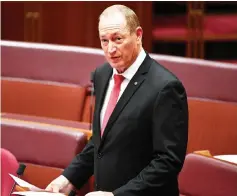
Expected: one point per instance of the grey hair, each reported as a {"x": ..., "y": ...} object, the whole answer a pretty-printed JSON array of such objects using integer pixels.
[{"x": 129, "y": 14}]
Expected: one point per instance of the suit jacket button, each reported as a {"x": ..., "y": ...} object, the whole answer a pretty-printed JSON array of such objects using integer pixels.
[{"x": 100, "y": 155}]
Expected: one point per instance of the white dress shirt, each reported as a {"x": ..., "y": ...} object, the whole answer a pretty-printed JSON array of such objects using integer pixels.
[{"x": 128, "y": 75}]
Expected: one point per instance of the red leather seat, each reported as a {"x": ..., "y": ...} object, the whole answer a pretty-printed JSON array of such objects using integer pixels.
[
  {"x": 9, "y": 165},
  {"x": 202, "y": 175},
  {"x": 47, "y": 149},
  {"x": 43, "y": 99}
]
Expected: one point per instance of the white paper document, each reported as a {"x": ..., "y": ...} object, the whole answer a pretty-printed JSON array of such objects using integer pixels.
[
  {"x": 34, "y": 191},
  {"x": 23, "y": 183}
]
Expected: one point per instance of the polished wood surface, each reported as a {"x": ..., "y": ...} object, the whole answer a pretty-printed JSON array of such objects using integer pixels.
[{"x": 67, "y": 23}]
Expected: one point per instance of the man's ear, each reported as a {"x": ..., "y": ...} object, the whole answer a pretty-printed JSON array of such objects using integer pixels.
[{"x": 139, "y": 33}]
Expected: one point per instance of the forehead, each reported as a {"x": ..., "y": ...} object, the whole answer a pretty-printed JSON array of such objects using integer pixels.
[{"x": 113, "y": 23}]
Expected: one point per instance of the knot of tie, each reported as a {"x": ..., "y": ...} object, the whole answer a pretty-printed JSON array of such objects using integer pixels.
[{"x": 118, "y": 79}]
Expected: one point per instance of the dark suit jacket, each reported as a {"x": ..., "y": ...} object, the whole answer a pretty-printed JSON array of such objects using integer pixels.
[{"x": 144, "y": 143}]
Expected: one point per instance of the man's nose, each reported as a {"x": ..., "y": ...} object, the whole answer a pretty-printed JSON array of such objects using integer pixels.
[{"x": 111, "y": 48}]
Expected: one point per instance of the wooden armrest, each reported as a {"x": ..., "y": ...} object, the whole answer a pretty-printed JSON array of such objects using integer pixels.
[
  {"x": 20, "y": 189},
  {"x": 203, "y": 152}
]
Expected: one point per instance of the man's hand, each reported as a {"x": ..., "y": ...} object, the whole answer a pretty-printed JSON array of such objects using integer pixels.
[
  {"x": 60, "y": 184},
  {"x": 99, "y": 193}
]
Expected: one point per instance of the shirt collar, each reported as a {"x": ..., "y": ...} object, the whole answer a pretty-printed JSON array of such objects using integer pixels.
[{"x": 130, "y": 72}]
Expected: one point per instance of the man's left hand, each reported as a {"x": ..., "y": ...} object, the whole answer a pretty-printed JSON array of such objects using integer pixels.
[{"x": 99, "y": 193}]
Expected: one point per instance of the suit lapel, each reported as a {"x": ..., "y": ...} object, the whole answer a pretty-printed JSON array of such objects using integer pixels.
[
  {"x": 103, "y": 82},
  {"x": 132, "y": 87}
]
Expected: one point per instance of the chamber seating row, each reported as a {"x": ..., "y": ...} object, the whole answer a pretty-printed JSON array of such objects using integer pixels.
[
  {"x": 206, "y": 175},
  {"x": 56, "y": 80},
  {"x": 45, "y": 149},
  {"x": 46, "y": 102},
  {"x": 45, "y": 99},
  {"x": 220, "y": 176},
  {"x": 73, "y": 65}
]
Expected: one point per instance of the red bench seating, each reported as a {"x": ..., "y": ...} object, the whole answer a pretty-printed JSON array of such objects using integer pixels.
[
  {"x": 53, "y": 100},
  {"x": 176, "y": 28},
  {"x": 45, "y": 149},
  {"x": 9, "y": 165},
  {"x": 203, "y": 175},
  {"x": 209, "y": 85}
]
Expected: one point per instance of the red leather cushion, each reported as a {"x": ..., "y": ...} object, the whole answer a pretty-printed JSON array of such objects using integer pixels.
[
  {"x": 204, "y": 176},
  {"x": 44, "y": 99},
  {"x": 212, "y": 126},
  {"x": 71, "y": 65},
  {"x": 213, "y": 24},
  {"x": 198, "y": 77},
  {"x": 42, "y": 144},
  {"x": 9, "y": 164},
  {"x": 166, "y": 27},
  {"x": 177, "y": 26}
]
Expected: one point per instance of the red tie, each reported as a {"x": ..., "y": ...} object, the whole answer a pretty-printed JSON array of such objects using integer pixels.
[{"x": 118, "y": 79}]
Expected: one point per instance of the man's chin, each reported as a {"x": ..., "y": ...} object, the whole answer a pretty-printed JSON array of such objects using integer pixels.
[{"x": 116, "y": 65}]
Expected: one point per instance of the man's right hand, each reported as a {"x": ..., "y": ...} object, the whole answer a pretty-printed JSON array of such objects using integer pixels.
[{"x": 60, "y": 184}]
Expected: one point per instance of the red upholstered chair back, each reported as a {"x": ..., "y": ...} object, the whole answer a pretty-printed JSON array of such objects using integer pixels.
[
  {"x": 202, "y": 175},
  {"x": 43, "y": 98},
  {"x": 65, "y": 64},
  {"x": 45, "y": 150},
  {"x": 9, "y": 164}
]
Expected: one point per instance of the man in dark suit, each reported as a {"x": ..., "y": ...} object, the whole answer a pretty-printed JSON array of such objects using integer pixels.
[{"x": 140, "y": 126}]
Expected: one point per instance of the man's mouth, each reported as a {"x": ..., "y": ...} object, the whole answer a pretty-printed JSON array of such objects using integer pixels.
[{"x": 114, "y": 58}]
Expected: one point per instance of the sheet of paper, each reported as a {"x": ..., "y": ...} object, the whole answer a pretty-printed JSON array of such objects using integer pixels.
[
  {"x": 229, "y": 158},
  {"x": 23, "y": 183},
  {"x": 41, "y": 193}
]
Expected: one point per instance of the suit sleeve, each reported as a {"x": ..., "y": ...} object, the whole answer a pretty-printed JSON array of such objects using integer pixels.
[
  {"x": 81, "y": 167},
  {"x": 170, "y": 135}
]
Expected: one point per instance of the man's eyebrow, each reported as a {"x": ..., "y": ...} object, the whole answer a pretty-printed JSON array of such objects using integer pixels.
[
  {"x": 113, "y": 34},
  {"x": 117, "y": 33}
]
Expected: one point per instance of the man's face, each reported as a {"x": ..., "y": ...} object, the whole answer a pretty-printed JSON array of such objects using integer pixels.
[{"x": 119, "y": 45}]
